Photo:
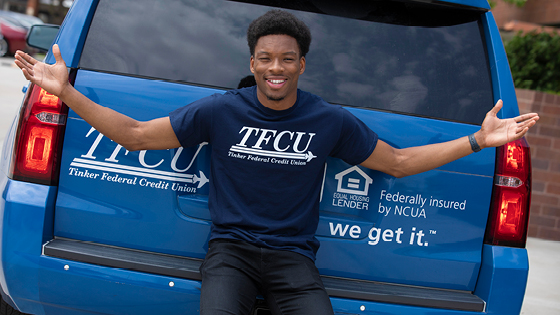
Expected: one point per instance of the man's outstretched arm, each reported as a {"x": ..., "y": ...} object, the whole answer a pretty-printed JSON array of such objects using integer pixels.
[
  {"x": 409, "y": 161},
  {"x": 133, "y": 135}
]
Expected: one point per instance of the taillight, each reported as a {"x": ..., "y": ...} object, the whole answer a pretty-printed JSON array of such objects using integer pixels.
[
  {"x": 39, "y": 140},
  {"x": 511, "y": 196}
]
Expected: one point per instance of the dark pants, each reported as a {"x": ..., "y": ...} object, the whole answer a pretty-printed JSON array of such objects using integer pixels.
[{"x": 234, "y": 273}]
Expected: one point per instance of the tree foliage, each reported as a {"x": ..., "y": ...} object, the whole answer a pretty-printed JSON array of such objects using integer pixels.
[
  {"x": 534, "y": 59},
  {"x": 518, "y": 3}
]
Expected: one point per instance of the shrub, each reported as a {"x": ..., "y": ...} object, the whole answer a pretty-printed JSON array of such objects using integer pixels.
[{"x": 534, "y": 59}]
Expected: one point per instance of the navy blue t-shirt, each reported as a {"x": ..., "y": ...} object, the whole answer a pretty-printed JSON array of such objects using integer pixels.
[{"x": 267, "y": 166}]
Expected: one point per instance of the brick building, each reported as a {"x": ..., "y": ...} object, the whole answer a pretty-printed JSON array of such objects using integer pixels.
[
  {"x": 544, "y": 140},
  {"x": 536, "y": 12}
]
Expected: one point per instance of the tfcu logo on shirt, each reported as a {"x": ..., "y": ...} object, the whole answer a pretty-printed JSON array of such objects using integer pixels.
[{"x": 288, "y": 147}]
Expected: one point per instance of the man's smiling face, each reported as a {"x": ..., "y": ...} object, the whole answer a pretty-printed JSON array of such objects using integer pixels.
[{"x": 277, "y": 65}]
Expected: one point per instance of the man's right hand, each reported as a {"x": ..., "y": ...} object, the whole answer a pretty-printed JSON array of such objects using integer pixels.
[
  {"x": 155, "y": 134},
  {"x": 52, "y": 78}
]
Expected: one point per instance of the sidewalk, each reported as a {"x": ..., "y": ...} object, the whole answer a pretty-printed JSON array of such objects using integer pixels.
[
  {"x": 11, "y": 83},
  {"x": 543, "y": 288}
]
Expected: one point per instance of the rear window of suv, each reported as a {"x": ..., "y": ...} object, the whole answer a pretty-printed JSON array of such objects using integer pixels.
[{"x": 411, "y": 58}]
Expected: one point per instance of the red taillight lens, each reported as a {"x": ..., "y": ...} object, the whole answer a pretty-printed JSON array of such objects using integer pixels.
[
  {"x": 511, "y": 197},
  {"x": 39, "y": 139}
]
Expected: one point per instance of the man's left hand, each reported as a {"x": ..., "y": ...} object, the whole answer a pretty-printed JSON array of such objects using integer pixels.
[{"x": 496, "y": 132}]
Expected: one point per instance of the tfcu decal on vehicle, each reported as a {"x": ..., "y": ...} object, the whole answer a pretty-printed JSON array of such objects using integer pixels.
[
  {"x": 146, "y": 175},
  {"x": 355, "y": 207}
]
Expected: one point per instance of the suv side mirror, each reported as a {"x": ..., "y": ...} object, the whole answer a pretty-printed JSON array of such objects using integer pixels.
[{"x": 42, "y": 36}]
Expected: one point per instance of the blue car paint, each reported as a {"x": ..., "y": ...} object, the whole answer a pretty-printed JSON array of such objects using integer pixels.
[
  {"x": 503, "y": 278},
  {"x": 73, "y": 208},
  {"x": 25, "y": 210},
  {"x": 113, "y": 291},
  {"x": 26, "y": 215},
  {"x": 502, "y": 81},
  {"x": 138, "y": 293}
]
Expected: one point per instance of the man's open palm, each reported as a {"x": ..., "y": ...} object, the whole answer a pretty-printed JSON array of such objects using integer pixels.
[
  {"x": 52, "y": 78},
  {"x": 498, "y": 132}
]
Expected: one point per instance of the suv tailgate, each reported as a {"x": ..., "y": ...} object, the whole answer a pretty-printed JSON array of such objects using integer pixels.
[
  {"x": 421, "y": 78},
  {"x": 422, "y": 230}
]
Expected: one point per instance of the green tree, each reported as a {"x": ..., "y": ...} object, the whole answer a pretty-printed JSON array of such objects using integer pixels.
[
  {"x": 534, "y": 59},
  {"x": 518, "y": 3}
]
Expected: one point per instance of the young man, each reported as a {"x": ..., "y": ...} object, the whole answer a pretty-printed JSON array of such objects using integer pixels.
[{"x": 265, "y": 214}]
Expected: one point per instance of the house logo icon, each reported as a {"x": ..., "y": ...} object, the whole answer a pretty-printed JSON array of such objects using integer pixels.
[{"x": 353, "y": 181}]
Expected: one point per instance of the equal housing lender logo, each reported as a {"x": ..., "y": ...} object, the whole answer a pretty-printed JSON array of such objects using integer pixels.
[{"x": 352, "y": 189}]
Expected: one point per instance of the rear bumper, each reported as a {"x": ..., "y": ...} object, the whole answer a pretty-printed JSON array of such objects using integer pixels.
[
  {"x": 503, "y": 278},
  {"x": 25, "y": 218},
  {"x": 42, "y": 284}
]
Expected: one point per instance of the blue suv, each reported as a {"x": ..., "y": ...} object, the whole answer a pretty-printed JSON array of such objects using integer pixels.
[{"x": 87, "y": 227}]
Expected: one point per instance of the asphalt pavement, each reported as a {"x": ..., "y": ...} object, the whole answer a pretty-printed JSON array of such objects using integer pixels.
[{"x": 543, "y": 288}]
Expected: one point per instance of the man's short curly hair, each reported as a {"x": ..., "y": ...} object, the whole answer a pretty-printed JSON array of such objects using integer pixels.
[{"x": 279, "y": 22}]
